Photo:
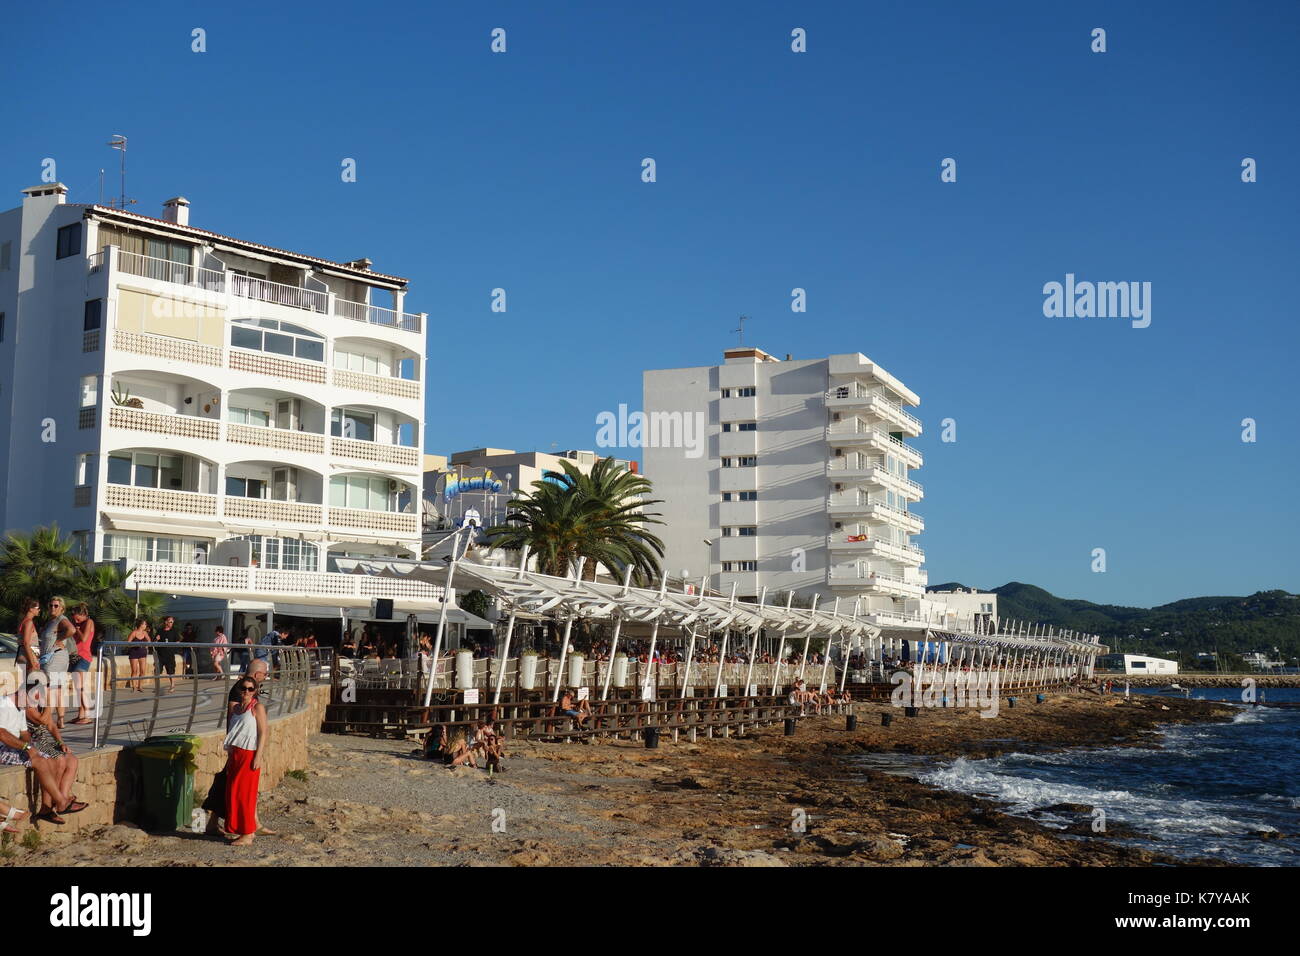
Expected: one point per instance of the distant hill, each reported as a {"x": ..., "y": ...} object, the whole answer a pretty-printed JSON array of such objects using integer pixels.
[{"x": 1232, "y": 625}]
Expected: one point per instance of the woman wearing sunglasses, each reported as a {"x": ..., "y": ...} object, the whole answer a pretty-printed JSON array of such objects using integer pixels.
[{"x": 246, "y": 735}]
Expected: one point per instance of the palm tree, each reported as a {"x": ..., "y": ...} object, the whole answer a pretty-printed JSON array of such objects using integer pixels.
[
  {"x": 599, "y": 516},
  {"x": 38, "y": 565}
]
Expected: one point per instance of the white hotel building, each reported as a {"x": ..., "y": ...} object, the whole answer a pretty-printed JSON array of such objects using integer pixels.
[
  {"x": 804, "y": 484},
  {"x": 227, "y": 416}
]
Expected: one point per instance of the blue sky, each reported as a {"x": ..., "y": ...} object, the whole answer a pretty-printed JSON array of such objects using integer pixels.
[{"x": 776, "y": 170}]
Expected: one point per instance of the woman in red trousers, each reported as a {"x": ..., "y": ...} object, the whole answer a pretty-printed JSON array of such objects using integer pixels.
[{"x": 246, "y": 734}]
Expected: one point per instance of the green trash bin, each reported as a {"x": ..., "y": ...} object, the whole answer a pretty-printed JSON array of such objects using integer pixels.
[{"x": 168, "y": 765}]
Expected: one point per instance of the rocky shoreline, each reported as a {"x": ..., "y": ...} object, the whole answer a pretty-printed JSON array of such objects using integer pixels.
[
  {"x": 761, "y": 800},
  {"x": 1204, "y": 680}
]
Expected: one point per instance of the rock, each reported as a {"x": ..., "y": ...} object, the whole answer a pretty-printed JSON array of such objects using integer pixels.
[
  {"x": 123, "y": 834},
  {"x": 878, "y": 846},
  {"x": 725, "y": 856}
]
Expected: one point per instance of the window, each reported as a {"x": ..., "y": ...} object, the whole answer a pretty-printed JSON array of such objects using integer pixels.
[
  {"x": 740, "y": 426},
  {"x": 740, "y": 496},
  {"x": 739, "y": 566},
  {"x": 361, "y": 491},
  {"x": 146, "y": 470},
  {"x": 245, "y": 487},
  {"x": 89, "y": 391},
  {"x": 748, "y": 391},
  {"x": 69, "y": 241},
  {"x": 2, "y": 326},
  {"x": 278, "y": 338},
  {"x": 365, "y": 362},
  {"x": 726, "y": 393},
  {"x": 139, "y": 547},
  {"x": 86, "y": 469},
  {"x": 285, "y": 554},
  {"x": 744, "y": 461},
  {"x": 248, "y": 416},
  {"x": 81, "y": 545},
  {"x": 94, "y": 314},
  {"x": 741, "y": 531},
  {"x": 346, "y": 423}
]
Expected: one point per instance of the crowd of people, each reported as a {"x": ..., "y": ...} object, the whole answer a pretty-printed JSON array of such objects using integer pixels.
[
  {"x": 51, "y": 652},
  {"x": 55, "y": 648}
]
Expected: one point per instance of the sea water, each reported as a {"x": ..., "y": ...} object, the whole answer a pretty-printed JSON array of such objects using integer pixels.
[{"x": 1200, "y": 790}]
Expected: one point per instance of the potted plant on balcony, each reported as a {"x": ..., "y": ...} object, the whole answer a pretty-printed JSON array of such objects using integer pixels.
[{"x": 122, "y": 398}]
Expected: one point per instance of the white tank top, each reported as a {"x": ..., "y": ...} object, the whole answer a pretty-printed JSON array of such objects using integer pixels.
[{"x": 241, "y": 730}]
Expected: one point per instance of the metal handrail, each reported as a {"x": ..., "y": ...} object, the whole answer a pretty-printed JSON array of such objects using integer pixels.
[{"x": 287, "y": 682}]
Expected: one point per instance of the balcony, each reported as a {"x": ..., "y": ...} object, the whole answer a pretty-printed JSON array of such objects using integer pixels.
[
  {"x": 905, "y": 553},
  {"x": 862, "y": 579},
  {"x": 379, "y": 384},
  {"x": 858, "y": 397},
  {"x": 257, "y": 289},
  {"x": 375, "y": 452},
  {"x": 862, "y": 469},
  {"x": 160, "y": 500},
  {"x": 236, "y": 508},
  {"x": 375, "y": 315},
  {"x": 259, "y": 363},
  {"x": 385, "y": 522},
  {"x": 280, "y": 439},
  {"x": 221, "y": 581},
  {"x": 855, "y": 433},
  {"x": 263, "y": 509},
  {"x": 173, "y": 425}
]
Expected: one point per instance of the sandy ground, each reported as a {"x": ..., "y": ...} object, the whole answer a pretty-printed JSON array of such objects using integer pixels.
[{"x": 721, "y": 802}]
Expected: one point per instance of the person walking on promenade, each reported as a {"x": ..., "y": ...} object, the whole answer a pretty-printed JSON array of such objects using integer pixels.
[
  {"x": 167, "y": 634},
  {"x": 137, "y": 653},
  {"x": 85, "y": 627},
  {"x": 56, "y": 636},
  {"x": 246, "y": 738},
  {"x": 219, "y": 652}
]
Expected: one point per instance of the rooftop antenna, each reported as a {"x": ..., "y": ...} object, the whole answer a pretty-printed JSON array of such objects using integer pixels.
[
  {"x": 741, "y": 330},
  {"x": 119, "y": 142}
]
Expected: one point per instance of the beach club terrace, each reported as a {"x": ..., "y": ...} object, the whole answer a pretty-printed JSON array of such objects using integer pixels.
[{"x": 630, "y": 680}]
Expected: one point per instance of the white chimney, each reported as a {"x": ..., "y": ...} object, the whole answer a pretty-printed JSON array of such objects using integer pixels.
[
  {"x": 177, "y": 210},
  {"x": 50, "y": 193}
]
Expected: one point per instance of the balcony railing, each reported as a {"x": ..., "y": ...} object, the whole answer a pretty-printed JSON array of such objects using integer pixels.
[
  {"x": 351, "y": 520},
  {"x": 165, "y": 270},
  {"x": 839, "y": 541},
  {"x": 263, "y": 290},
  {"x": 281, "y": 439},
  {"x": 861, "y": 394},
  {"x": 260, "y": 362},
  {"x": 177, "y": 426},
  {"x": 218, "y": 579},
  {"x": 160, "y": 500},
  {"x": 855, "y": 432},
  {"x": 382, "y": 384},
  {"x": 259, "y": 290},
  {"x": 376, "y": 315},
  {"x": 375, "y": 452},
  {"x": 394, "y": 522},
  {"x": 869, "y": 578}
]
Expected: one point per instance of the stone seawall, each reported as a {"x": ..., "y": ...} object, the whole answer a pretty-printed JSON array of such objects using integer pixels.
[{"x": 110, "y": 779}]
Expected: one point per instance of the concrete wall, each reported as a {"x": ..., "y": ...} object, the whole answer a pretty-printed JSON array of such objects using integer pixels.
[{"x": 110, "y": 779}]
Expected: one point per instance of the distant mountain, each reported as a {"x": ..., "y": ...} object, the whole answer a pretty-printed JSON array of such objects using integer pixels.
[{"x": 1230, "y": 625}]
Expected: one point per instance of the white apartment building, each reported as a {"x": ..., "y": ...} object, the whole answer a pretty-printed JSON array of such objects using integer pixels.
[
  {"x": 227, "y": 416},
  {"x": 804, "y": 484}
]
